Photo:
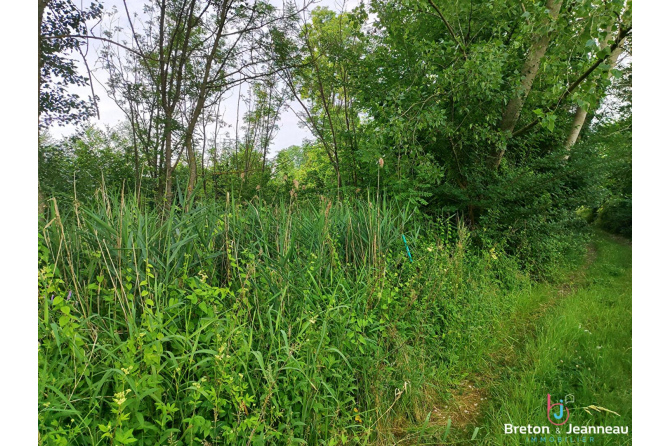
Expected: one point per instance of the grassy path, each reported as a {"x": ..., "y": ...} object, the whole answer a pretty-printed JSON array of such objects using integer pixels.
[
  {"x": 580, "y": 344},
  {"x": 569, "y": 339}
]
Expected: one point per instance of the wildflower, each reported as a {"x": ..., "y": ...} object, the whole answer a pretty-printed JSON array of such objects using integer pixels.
[
  {"x": 358, "y": 418},
  {"x": 69, "y": 295},
  {"x": 381, "y": 163},
  {"x": 120, "y": 397}
]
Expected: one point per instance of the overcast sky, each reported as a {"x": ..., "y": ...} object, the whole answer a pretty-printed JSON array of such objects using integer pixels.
[{"x": 289, "y": 133}]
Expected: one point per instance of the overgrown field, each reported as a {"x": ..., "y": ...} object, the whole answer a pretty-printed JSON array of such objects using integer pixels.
[{"x": 290, "y": 323}]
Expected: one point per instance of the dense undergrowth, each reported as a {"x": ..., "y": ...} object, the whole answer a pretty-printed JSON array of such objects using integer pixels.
[{"x": 289, "y": 323}]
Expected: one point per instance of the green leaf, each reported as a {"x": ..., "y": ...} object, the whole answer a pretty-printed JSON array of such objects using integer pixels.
[{"x": 474, "y": 434}]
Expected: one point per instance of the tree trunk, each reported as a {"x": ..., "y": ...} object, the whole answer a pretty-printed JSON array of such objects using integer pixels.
[
  {"x": 167, "y": 190},
  {"x": 192, "y": 166},
  {"x": 529, "y": 71},
  {"x": 577, "y": 125},
  {"x": 197, "y": 111},
  {"x": 580, "y": 115}
]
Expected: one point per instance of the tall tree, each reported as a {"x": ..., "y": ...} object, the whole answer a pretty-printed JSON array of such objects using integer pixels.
[
  {"x": 531, "y": 65},
  {"x": 325, "y": 86},
  {"x": 610, "y": 33},
  {"x": 190, "y": 53}
]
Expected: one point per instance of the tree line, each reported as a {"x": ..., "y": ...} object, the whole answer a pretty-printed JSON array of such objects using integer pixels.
[{"x": 509, "y": 115}]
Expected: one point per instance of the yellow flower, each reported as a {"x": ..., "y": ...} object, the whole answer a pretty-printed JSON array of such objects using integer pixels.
[{"x": 358, "y": 418}]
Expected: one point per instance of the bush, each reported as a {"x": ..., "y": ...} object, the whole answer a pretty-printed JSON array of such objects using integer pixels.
[{"x": 616, "y": 216}]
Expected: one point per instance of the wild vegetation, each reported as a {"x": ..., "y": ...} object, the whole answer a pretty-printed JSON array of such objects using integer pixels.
[{"x": 410, "y": 274}]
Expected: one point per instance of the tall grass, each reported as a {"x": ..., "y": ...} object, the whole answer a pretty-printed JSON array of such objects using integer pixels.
[
  {"x": 253, "y": 323},
  {"x": 583, "y": 348}
]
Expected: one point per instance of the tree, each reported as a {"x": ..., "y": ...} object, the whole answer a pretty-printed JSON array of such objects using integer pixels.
[
  {"x": 325, "y": 86},
  {"x": 62, "y": 30},
  {"x": 610, "y": 33},
  {"x": 189, "y": 54},
  {"x": 531, "y": 65}
]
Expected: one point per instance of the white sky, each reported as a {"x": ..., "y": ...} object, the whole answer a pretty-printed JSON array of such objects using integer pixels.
[{"x": 110, "y": 114}]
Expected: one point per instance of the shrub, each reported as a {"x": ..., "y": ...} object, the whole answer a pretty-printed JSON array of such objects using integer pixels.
[{"x": 616, "y": 216}]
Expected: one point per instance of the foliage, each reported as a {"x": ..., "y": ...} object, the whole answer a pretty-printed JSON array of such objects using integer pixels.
[
  {"x": 613, "y": 137},
  {"x": 74, "y": 168},
  {"x": 60, "y": 19},
  {"x": 274, "y": 324},
  {"x": 337, "y": 292}
]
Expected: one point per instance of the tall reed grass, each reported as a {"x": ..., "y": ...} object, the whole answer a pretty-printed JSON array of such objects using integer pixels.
[{"x": 294, "y": 322}]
